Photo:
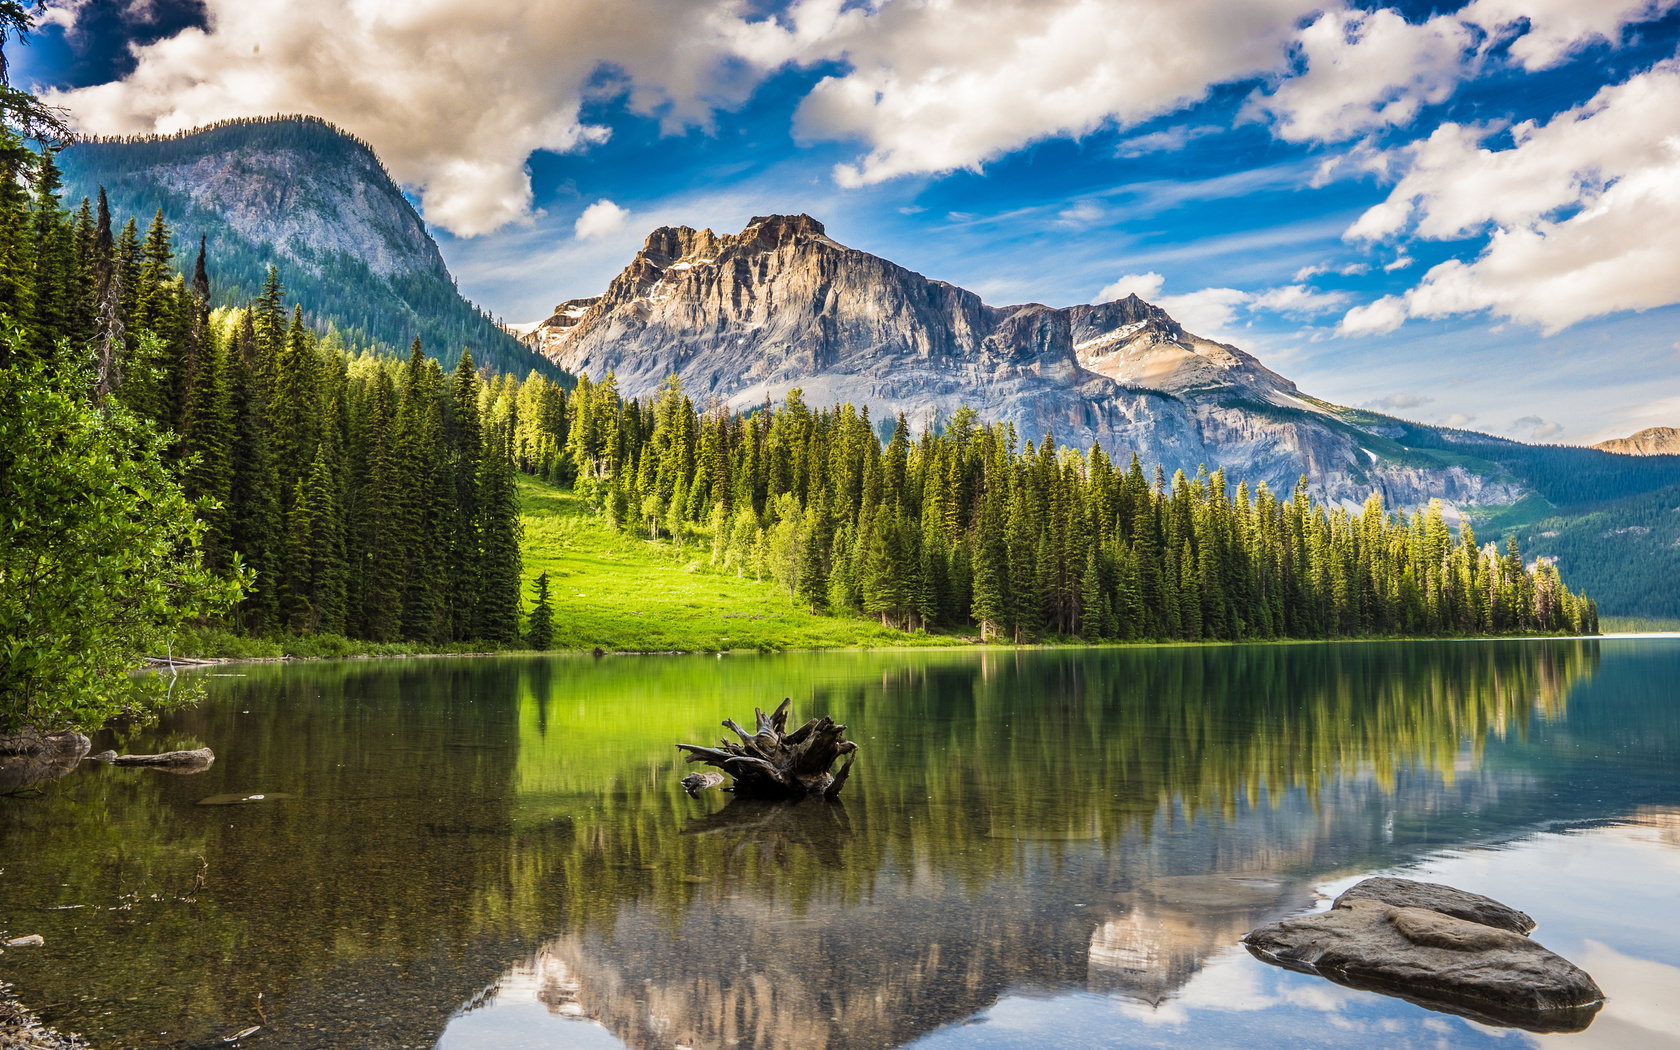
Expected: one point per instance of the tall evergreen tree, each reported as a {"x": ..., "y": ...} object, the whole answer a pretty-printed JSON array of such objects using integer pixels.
[{"x": 540, "y": 633}]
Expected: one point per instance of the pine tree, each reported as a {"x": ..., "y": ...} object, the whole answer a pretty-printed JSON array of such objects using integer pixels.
[
  {"x": 989, "y": 567},
  {"x": 255, "y": 518},
  {"x": 498, "y": 606},
  {"x": 812, "y": 584},
  {"x": 1092, "y": 601},
  {"x": 540, "y": 634},
  {"x": 53, "y": 253},
  {"x": 324, "y": 553}
]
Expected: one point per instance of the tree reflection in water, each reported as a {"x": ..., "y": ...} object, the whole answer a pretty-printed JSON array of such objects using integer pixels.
[{"x": 1100, "y": 819}]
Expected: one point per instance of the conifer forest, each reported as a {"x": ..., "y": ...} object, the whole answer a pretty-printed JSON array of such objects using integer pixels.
[{"x": 373, "y": 497}]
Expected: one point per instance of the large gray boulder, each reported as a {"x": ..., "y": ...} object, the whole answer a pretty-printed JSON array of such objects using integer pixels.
[
  {"x": 1435, "y": 959},
  {"x": 1471, "y": 907}
]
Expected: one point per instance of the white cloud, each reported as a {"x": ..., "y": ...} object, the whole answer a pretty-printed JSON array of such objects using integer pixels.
[
  {"x": 1081, "y": 214},
  {"x": 1558, "y": 28},
  {"x": 1384, "y": 315},
  {"x": 1538, "y": 429},
  {"x": 1398, "y": 401},
  {"x": 941, "y": 86},
  {"x": 600, "y": 219},
  {"x": 1457, "y": 420},
  {"x": 1401, "y": 262},
  {"x": 1166, "y": 141},
  {"x": 1610, "y": 166},
  {"x": 454, "y": 94},
  {"x": 1307, "y": 273},
  {"x": 1207, "y": 312},
  {"x": 1297, "y": 300},
  {"x": 1365, "y": 70},
  {"x": 1145, "y": 286},
  {"x": 1211, "y": 310}
]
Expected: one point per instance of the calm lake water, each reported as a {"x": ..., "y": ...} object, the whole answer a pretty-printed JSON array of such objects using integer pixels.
[{"x": 1035, "y": 849}]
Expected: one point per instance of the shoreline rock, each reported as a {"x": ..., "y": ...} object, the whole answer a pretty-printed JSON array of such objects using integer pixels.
[
  {"x": 1387, "y": 938},
  {"x": 31, "y": 757},
  {"x": 20, "y": 1028}
]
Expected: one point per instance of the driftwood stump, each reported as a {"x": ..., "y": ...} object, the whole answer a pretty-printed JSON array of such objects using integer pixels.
[{"x": 771, "y": 763}]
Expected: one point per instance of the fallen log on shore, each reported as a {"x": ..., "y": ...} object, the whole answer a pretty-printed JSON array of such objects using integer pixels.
[{"x": 772, "y": 763}]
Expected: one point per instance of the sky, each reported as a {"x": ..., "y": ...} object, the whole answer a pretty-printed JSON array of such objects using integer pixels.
[{"x": 1466, "y": 215}]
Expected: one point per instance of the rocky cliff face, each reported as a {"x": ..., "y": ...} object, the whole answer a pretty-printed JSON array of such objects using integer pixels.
[{"x": 746, "y": 317}]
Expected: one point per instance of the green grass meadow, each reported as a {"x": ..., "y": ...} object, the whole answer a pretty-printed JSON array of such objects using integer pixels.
[{"x": 622, "y": 593}]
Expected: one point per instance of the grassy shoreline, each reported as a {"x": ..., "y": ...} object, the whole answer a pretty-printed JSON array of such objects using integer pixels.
[{"x": 619, "y": 594}]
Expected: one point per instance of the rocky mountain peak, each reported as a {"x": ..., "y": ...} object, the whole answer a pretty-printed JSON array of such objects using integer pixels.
[
  {"x": 746, "y": 317},
  {"x": 1652, "y": 441}
]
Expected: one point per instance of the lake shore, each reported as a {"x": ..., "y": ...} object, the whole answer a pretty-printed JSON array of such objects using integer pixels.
[
  {"x": 378, "y": 651},
  {"x": 20, "y": 1028}
]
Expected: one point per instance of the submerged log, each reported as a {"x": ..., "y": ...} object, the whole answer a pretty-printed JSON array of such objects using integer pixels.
[
  {"x": 772, "y": 763},
  {"x": 193, "y": 761}
]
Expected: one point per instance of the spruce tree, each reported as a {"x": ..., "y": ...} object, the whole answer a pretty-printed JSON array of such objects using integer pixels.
[
  {"x": 812, "y": 585},
  {"x": 498, "y": 605},
  {"x": 324, "y": 553},
  {"x": 53, "y": 252},
  {"x": 540, "y": 634}
]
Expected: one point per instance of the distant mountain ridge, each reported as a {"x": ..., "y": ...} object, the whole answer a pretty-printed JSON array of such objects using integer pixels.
[
  {"x": 1652, "y": 441},
  {"x": 316, "y": 203},
  {"x": 745, "y": 317}
]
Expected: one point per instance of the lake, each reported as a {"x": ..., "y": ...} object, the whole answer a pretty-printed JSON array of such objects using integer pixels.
[{"x": 1035, "y": 849}]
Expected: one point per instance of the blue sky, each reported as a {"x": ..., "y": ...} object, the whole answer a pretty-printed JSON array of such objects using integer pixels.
[{"x": 1466, "y": 215}]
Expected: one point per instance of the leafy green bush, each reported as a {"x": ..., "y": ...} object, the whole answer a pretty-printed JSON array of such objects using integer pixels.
[{"x": 99, "y": 552}]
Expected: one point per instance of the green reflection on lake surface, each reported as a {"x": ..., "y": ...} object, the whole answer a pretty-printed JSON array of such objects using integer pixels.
[{"x": 1097, "y": 820}]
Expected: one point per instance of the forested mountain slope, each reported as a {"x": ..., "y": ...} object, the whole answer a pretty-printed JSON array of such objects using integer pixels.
[
  {"x": 300, "y": 195},
  {"x": 745, "y": 317},
  {"x": 1626, "y": 552}
]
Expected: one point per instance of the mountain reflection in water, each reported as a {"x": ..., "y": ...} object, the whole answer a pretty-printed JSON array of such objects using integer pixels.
[{"x": 469, "y": 836}]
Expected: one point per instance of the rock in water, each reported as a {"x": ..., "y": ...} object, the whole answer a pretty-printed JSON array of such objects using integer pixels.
[
  {"x": 695, "y": 783},
  {"x": 1437, "y": 960},
  {"x": 1471, "y": 907}
]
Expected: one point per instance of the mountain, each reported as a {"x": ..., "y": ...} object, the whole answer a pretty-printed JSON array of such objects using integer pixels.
[
  {"x": 1652, "y": 441},
  {"x": 316, "y": 203},
  {"x": 745, "y": 317}
]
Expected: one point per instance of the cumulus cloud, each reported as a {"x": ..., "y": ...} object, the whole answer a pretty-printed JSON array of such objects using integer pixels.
[
  {"x": 1145, "y": 286},
  {"x": 942, "y": 86},
  {"x": 600, "y": 219},
  {"x": 1211, "y": 310},
  {"x": 1582, "y": 212},
  {"x": 1364, "y": 70},
  {"x": 1459, "y": 419},
  {"x": 1538, "y": 429},
  {"x": 454, "y": 94},
  {"x": 457, "y": 94},
  {"x": 1296, "y": 300},
  {"x": 1207, "y": 312},
  {"x": 1382, "y": 316},
  {"x": 1548, "y": 31}
]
